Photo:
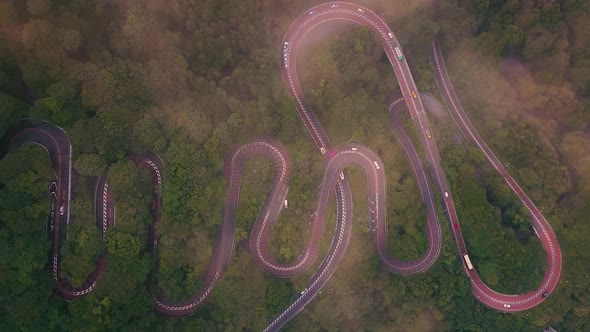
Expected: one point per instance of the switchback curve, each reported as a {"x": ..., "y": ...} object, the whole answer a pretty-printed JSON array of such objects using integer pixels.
[
  {"x": 60, "y": 154},
  {"x": 300, "y": 27},
  {"x": 542, "y": 228}
]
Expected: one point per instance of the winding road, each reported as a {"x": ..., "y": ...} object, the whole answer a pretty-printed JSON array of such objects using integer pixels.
[
  {"x": 55, "y": 141},
  {"x": 492, "y": 299}
]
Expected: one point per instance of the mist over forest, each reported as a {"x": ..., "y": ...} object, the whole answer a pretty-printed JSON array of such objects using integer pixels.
[{"x": 188, "y": 79}]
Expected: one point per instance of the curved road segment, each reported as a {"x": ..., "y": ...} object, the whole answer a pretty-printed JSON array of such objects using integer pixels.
[
  {"x": 55, "y": 141},
  {"x": 351, "y": 12},
  {"x": 502, "y": 302}
]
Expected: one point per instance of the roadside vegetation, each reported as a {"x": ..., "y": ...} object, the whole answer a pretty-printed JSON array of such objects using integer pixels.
[{"x": 187, "y": 79}]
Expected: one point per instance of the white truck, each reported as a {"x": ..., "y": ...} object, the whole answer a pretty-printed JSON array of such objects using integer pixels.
[{"x": 398, "y": 52}]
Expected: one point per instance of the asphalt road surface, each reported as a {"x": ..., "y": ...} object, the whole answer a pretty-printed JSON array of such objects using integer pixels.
[
  {"x": 502, "y": 302},
  {"x": 55, "y": 141},
  {"x": 297, "y": 31}
]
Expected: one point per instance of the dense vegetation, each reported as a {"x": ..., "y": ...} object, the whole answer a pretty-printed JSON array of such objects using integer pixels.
[{"x": 188, "y": 78}]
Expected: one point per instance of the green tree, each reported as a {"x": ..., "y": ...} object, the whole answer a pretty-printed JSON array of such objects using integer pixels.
[
  {"x": 538, "y": 43},
  {"x": 8, "y": 14},
  {"x": 70, "y": 39},
  {"x": 90, "y": 165},
  {"x": 11, "y": 109},
  {"x": 124, "y": 245},
  {"x": 38, "y": 7}
]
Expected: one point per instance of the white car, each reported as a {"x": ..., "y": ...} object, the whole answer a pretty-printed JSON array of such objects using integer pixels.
[
  {"x": 360, "y": 10},
  {"x": 390, "y": 35},
  {"x": 446, "y": 194},
  {"x": 286, "y": 204},
  {"x": 323, "y": 150},
  {"x": 354, "y": 149},
  {"x": 333, "y": 5},
  {"x": 376, "y": 165},
  {"x": 61, "y": 210},
  {"x": 311, "y": 12},
  {"x": 341, "y": 175},
  {"x": 506, "y": 305}
]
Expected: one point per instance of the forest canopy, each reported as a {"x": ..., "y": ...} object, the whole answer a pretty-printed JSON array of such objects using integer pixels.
[{"x": 187, "y": 79}]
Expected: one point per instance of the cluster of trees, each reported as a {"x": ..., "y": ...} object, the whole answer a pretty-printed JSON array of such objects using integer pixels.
[
  {"x": 189, "y": 78},
  {"x": 534, "y": 113},
  {"x": 26, "y": 287}
]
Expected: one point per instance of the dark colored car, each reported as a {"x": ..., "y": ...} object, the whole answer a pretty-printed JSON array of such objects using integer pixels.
[{"x": 545, "y": 294}]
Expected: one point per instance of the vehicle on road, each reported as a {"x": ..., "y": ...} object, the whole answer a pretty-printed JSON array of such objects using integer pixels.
[
  {"x": 360, "y": 10},
  {"x": 398, "y": 52},
  {"x": 468, "y": 262},
  {"x": 61, "y": 210},
  {"x": 286, "y": 204},
  {"x": 332, "y": 154},
  {"x": 354, "y": 149},
  {"x": 333, "y": 5},
  {"x": 323, "y": 151},
  {"x": 341, "y": 175},
  {"x": 428, "y": 133},
  {"x": 390, "y": 35},
  {"x": 506, "y": 305},
  {"x": 446, "y": 194},
  {"x": 545, "y": 294},
  {"x": 376, "y": 165},
  {"x": 414, "y": 95},
  {"x": 311, "y": 12}
]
